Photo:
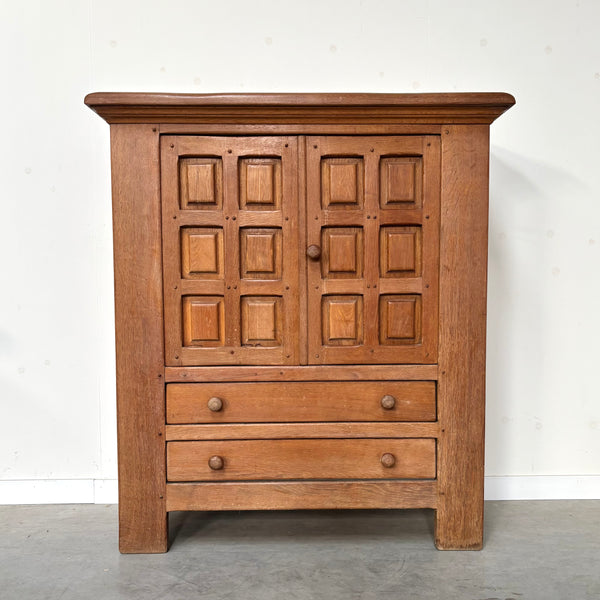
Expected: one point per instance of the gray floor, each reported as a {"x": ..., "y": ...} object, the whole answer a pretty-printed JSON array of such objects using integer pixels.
[{"x": 533, "y": 550}]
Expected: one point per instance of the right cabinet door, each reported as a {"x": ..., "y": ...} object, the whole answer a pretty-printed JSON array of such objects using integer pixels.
[{"x": 373, "y": 206}]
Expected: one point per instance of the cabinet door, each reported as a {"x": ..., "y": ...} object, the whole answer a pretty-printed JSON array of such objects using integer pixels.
[
  {"x": 230, "y": 256},
  {"x": 373, "y": 212}
]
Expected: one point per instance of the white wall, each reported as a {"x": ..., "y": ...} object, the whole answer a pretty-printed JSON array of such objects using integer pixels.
[{"x": 56, "y": 313}]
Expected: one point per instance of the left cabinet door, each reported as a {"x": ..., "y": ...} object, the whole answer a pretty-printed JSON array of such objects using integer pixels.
[{"x": 230, "y": 250}]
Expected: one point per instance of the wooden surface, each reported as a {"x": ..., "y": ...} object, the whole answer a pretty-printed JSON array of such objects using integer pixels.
[
  {"x": 257, "y": 431},
  {"x": 303, "y": 129},
  {"x": 308, "y": 373},
  {"x": 139, "y": 338},
  {"x": 301, "y": 401},
  {"x": 239, "y": 208},
  {"x": 296, "y": 495},
  {"x": 296, "y": 108},
  {"x": 463, "y": 277},
  {"x": 230, "y": 213},
  {"x": 373, "y": 205},
  {"x": 301, "y": 459}
]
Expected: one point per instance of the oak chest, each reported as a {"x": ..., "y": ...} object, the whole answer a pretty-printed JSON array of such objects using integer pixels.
[{"x": 300, "y": 290}]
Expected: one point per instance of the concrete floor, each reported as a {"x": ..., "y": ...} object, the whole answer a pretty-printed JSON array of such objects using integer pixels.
[{"x": 533, "y": 550}]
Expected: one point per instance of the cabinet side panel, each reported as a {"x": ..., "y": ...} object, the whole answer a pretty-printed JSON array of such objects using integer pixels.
[
  {"x": 461, "y": 387},
  {"x": 139, "y": 338}
]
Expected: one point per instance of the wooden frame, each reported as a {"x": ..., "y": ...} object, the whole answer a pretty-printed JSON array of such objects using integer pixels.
[{"x": 459, "y": 124}]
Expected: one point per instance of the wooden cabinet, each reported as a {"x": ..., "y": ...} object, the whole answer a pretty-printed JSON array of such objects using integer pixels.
[{"x": 300, "y": 292}]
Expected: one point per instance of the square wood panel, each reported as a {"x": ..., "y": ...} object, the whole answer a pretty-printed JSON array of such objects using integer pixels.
[
  {"x": 201, "y": 183},
  {"x": 203, "y": 321},
  {"x": 400, "y": 319},
  {"x": 342, "y": 320},
  {"x": 342, "y": 252},
  {"x": 400, "y": 180},
  {"x": 261, "y": 253},
  {"x": 260, "y": 183},
  {"x": 261, "y": 321},
  {"x": 342, "y": 183},
  {"x": 202, "y": 253},
  {"x": 400, "y": 251}
]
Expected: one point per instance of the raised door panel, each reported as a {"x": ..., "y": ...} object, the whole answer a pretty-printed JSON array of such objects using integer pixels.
[
  {"x": 230, "y": 250},
  {"x": 373, "y": 208}
]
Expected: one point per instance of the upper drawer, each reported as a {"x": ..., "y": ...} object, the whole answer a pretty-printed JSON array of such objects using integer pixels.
[{"x": 301, "y": 401}]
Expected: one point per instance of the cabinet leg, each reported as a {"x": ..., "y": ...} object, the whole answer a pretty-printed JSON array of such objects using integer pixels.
[
  {"x": 461, "y": 356},
  {"x": 458, "y": 529},
  {"x": 139, "y": 338},
  {"x": 143, "y": 530}
]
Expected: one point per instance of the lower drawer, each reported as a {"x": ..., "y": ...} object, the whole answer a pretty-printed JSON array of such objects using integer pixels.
[{"x": 301, "y": 459}]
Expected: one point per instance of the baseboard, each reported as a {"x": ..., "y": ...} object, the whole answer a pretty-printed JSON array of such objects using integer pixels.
[
  {"x": 59, "y": 491},
  {"x": 105, "y": 491},
  {"x": 543, "y": 487}
]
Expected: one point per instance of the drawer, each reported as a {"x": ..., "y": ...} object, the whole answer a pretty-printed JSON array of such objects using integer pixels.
[
  {"x": 301, "y": 401},
  {"x": 301, "y": 459}
]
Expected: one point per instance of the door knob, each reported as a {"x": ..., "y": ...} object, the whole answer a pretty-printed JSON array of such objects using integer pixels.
[
  {"x": 215, "y": 404},
  {"x": 313, "y": 251},
  {"x": 388, "y": 460},
  {"x": 216, "y": 463},
  {"x": 388, "y": 402}
]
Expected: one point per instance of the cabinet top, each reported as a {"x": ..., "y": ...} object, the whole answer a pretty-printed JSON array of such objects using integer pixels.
[{"x": 442, "y": 108}]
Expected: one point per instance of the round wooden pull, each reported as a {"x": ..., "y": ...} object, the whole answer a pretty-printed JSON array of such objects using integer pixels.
[
  {"x": 216, "y": 463},
  {"x": 215, "y": 404},
  {"x": 388, "y": 460},
  {"x": 388, "y": 402},
  {"x": 313, "y": 251}
]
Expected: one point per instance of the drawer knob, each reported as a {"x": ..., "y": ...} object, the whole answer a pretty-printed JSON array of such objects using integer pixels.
[
  {"x": 215, "y": 404},
  {"x": 388, "y": 402},
  {"x": 388, "y": 460},
  {"x": 313, "y": 251},
  {"x": 216, "y": 463}
]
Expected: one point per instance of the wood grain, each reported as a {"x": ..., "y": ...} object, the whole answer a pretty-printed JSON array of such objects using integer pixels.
[
  {"x": 346, "y": 208},
  {"x": 300, "y": 401},
  {"x": 463, "y": 272},
  {"x": 252, "y": 212},
  {"x": 251, "y": 431},
  {"x": 298, "y": 129},
  {"x": 139, "y": 338},
  {"x": 308, "y": 373},
  {"x": 297, "y": 108},
  {"x": 393, "y": 187},
  {"x": 297, "y": 495},
  {"x": 301, "y": 459}
]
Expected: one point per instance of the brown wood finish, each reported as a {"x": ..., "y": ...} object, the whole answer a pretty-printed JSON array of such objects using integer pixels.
[
  {"x": 139, "y": 346},
  {"x": 299, "y": 108},
  {"x": 301, "y": 459},
  {"x": 294, "y": 495},
  {"x": 463, "y": 287},
  {"x": 362, "y": 192},
  {"x": 329, "y": 365},
  {"x": 302, "y": 129},
  {"x": 238, "y": 304},
  {"x": 301, "y": 401},
  {"x": 257, "y": 431},
  {"x": 308, "y": 373}
]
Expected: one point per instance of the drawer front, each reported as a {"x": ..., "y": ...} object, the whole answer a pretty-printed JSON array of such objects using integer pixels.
[
  {"x": 301, "y": 401},
  {"x": 301, "y": 459}
]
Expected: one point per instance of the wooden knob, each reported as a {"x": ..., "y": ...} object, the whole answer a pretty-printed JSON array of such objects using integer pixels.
[
  {"x": 388, "y": 402},
  {"x": 216, "y": 463},
  {"x": 215, "y": 404},
  {"x": 313, "y": 251},
  {"x": 388, "y": 460}
]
